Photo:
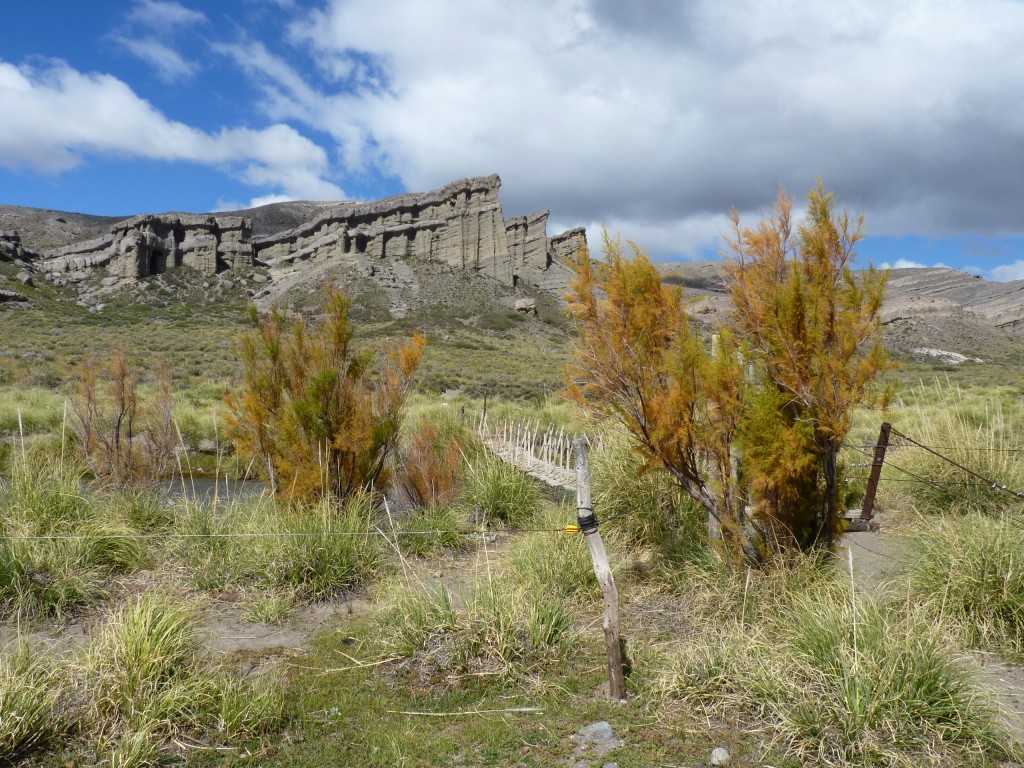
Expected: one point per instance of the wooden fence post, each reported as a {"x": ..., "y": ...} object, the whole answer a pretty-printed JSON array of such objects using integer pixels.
[
  {"x": 588, "y": 524},
  {"x": 867, "y": 508}
]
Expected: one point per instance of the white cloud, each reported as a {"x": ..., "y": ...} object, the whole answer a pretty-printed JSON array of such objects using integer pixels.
[
  {"x": 151, "y": 30},
  {"x": 63, "y": 116},
  {"x": 908, "y": 264},
  {"x": 169, "y": 64},
  {"x": 668, "y": 113},
  {"x": 1007, "y": 272},
  {"x": 256, "y": 202},
  {"x": 159, "y": 15}
]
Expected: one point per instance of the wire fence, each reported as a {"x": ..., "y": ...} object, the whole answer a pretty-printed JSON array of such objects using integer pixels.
[{"x": 539, "y": 447}]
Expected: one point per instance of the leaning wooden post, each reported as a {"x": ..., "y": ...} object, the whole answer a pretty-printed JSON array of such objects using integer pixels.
[
  {"x": 867, "y": 508},
  {"x": 588, "y": 525}
]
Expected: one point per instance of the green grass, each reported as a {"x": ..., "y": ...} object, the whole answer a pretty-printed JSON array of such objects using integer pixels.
[
  {"x": 552, "y": 563},
  {"x": 147, "y": 683},
  {"x": 354, "y": 715},
  {"x": 53, "y": 577},
  {"x": 429, "y": 531},
  {"x": 965, "y": 572},
  {"x": 645, "y": 509},
  {"x": 140, "y": 687},
  {"x": 40, "y": 410},
  {"x": 501, "y": 492},
  {"x": 30, "y": 715},
  {"x": 314, "y": 553},
  {"x": 837, "y": 680},
  {"x": 497, "y": 627}
]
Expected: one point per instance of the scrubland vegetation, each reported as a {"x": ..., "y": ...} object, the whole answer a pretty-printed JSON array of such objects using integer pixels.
[
  {"x": 478, "y": 640},
  {"x": 786, "y": 663}
]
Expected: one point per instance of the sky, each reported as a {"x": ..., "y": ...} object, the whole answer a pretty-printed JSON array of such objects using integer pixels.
[{"x": 649, "y": 117}]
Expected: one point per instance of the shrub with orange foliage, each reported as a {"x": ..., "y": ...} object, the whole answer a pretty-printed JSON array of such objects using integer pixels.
[
  {"x": 639, "y": 361},
  {"x": 806, "y": 330},
  {"x": 812, "y": 330},
  {"x": 431, "y": 466},
  {"x": 313, "y": 410},
  {"x": 123, "y": 439}
]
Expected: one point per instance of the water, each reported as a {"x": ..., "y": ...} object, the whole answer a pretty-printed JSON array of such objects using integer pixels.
[{"x": 206, "y": 489}]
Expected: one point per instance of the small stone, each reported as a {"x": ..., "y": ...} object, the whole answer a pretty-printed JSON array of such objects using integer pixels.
[
  {"x": 106, "y": 282},
  {"x": 610, "y": 765},
  {"x": 599, "y": 731},
  {"x": 25, "y": 277},
  {"x": 87, "y": 300},
  {"x": 258, "y": 278},
  {"x": 227, "y": 285},
  {"x": 720, "y": 756}
]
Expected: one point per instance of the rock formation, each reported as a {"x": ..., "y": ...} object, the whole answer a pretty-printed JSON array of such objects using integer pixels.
[
  {"x": 11, "y": 248},
  {"x": 460, "y": 224},
  {"x": 151, "y": 244}
]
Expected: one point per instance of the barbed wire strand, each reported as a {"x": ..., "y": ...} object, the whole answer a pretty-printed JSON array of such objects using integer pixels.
[{"x": 566, "y": 530}]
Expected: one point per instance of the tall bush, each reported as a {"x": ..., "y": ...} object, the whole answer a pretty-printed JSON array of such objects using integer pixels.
[
  {"x": 313, "y": 410},
  {"x": 123, "y": 437},
  {"x": 759, "y": 420}
]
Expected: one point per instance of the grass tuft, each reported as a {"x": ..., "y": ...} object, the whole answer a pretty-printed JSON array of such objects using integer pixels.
[
  {"x": 52, "y": 577},
  {"x": 30, "y": 717},
  {"x": 839, "y": 680},
  {"x": 965, "y": 572},
  {"x": 501, "y": 492},
  {"x": 310, "y": 552}
]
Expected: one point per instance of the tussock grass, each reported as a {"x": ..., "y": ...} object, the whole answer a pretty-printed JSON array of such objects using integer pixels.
[
  {"x": 128, "y": 697},
  {"x": 503, "y": 493},
  {"x": 497, "y": 625},
  {"x": 645, "y": 509},
  {"x": 30, "y": 691},
  {"x": 833, "y": 678},
  {"x": 446, "y": 520},
  {"x": 965, "y": 572},
  {"x": 269, "y": 606},
  {"x": 544, "y": 563},
  {"x": 139, "y": 669},
  {"x": 41, "y": 410},
  {"x": 147, "y": 681},
  {"x": 511, "y": 625},
  {"x": 977, "y": 428},
  {"x": 413, "y": 615},
  {"x": 52, "y": 577},
  {"x": 313, "y": 552}
]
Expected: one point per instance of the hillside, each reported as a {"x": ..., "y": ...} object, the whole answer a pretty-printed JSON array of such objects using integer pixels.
[
  {"x": 928, "y": 312},
  {"x": 445, "y": 260}
]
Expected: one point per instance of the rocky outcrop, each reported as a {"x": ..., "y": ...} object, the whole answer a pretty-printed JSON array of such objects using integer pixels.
[
  {"x": 461, "y": 225},
  {"x": 6, "y": 296},
  {"x": 11, "y": 248},
  {"x": 152, "y": 244},
  {"x": 957, "y": 294}
]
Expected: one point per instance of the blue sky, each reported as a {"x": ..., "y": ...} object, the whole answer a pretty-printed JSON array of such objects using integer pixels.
[{"x": 652, "y": 117}]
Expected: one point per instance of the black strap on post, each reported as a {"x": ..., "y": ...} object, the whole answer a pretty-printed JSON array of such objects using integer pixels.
[{"x": 587, "y": 519}]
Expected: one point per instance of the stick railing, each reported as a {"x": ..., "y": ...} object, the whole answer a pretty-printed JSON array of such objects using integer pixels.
[{"x": 531, "y": 443}]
